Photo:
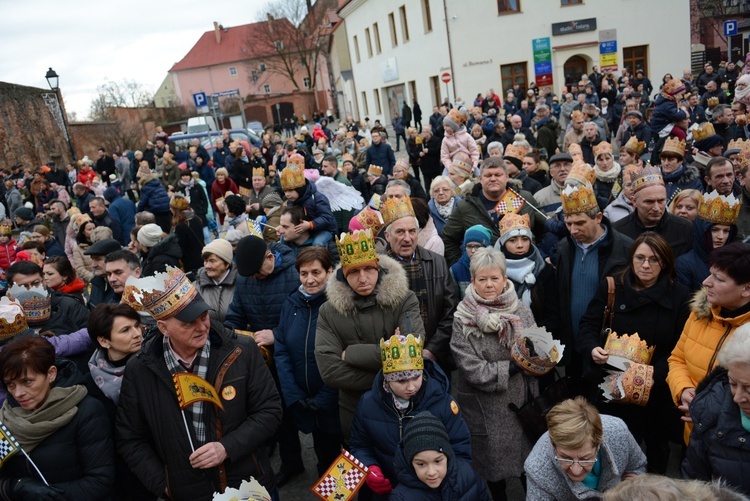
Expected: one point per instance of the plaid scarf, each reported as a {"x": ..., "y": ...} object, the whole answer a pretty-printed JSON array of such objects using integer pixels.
[
  {"x": 417, "y": 281},
  {"x": 199, "y": 368}
]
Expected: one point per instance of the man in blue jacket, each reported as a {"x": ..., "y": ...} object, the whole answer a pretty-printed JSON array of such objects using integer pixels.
[
  {"x": 121, "y": 210},
  {"x": 381, "y": 154}
]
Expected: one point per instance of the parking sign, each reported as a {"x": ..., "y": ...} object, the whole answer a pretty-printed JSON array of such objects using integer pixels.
[
  {"x": 199, "y": 99},
  {"x": 730, "y": 28}
]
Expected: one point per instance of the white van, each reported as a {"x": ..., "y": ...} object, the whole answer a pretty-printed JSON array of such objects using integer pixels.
[{"x": 201, "y": 124}]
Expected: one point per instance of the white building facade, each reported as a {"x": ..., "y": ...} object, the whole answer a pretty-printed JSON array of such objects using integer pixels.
[{"x": 404, "y": 49}]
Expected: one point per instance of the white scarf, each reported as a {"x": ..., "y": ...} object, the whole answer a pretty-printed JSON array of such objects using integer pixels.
[
  {"x": 445, "y": 210},
  {"x": 610, "y": 175},
  {"x": 521, "y": 271}
]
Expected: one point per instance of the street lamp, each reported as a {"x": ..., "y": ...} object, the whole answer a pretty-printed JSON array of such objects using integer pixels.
[{"x": 55, "y": 107}]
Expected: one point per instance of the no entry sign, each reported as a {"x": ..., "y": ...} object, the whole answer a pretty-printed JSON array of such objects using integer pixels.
[{"x": 445, "y": 77}]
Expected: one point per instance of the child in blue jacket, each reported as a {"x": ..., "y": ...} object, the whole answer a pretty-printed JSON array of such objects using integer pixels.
[{"x": 301, "y": 192}]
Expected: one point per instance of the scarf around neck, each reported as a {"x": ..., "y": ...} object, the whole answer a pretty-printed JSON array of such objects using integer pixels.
[
  {"x": 481, "y": 316},
  {"x": 447, "y": 209},
  {"x": 523, "y": 273},
  {"x": 609, "y": 176},
  {"x": 106, "y": 376},
  {"x": 32, "y": 427}
]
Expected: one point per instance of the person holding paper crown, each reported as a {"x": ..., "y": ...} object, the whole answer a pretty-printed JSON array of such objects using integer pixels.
[
  {"x": 302, "y": 193},
  {"x": 408, "y": 384},
  {"x": 427, "y": 272},
  {"x": 202, "y": 449},
  {"x": 715, "y": 226},
  {"x": 368, "y": 296},
  {"x": 650, "y": 214},
  {"x": 676, "y": 174},
  {"x": 649, "y": 303},
  {"x": 57, "y": 439}
]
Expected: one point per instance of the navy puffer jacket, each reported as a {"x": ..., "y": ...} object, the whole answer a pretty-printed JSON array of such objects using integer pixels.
[
  {"x": 378, "y": 427},
  {"x": 719, "y": 445},
  {"x": 461, "y": 483},
  {"x": 257, "y": 303},
  {"x": 294, "y": 354},
  {"x": 154, "y": 197},
  {"x": 318, "y": 207}
]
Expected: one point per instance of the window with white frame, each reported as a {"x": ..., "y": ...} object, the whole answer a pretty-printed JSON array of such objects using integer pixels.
[
  {"x": 266, "y": 88},
  {"x": 232, "y": 71},
  {"x": 306, "y": 82},
  {"x": 262, "y": 67}
]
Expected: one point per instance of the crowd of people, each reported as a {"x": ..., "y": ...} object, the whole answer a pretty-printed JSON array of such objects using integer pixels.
[{"x": 319, "y": 284}]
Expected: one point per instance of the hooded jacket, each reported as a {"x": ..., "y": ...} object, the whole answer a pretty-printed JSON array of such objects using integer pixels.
[
  {"x": 459, "y": 141},
  {"x": 218, "y": 297},
  {"x": 686, "y": 177},
  {"x": 154, "y": 197},
  {"x": 719, "y": 445},
  {"x": 151, "y": 437},
  {"x": 121, "y": 210},
  {"x": 318, "y": 208},
  {"x": 692, "y": 267},
  {"x": 354, "y": 325},
  {"x": 378, "y": 426},
  {"x": 165, "y": 253}
]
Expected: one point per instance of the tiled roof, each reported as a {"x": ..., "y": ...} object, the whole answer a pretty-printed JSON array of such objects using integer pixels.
[{"x": 236, "y": 45}]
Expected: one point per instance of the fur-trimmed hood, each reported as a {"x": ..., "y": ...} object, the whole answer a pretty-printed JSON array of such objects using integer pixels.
[
  {"x": 390, "y": 292},
  {"x": 704, "y": 310},
  {"x": 148, "y": 177}
]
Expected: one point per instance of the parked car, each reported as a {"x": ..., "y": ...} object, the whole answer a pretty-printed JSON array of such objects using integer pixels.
[
  {"x": 179, "y": 143},
  {"x": 256, "y": 127}
]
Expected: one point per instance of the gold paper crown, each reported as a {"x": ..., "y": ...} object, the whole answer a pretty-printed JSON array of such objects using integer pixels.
[
  {"x": 629, "y": 347},
  {"x": 463, "y": 167},
  {"x": 396, "y": 208},
  {"x": 719, "y": 209},
  {"x": 370, "y": 220},
  {"x": 179, "y": 202},
  {"x": 713, "y": 101},
  {"x": 649, "y": 176},
  {"x": 12, "y": 319},
  {"x": 581, "y": 172},
  {"x": 634, "y": 146},
  {"x": 292, "y": 177},
  {"x": 515, "y": 152},
  {"x": 535, "y": 351},
  {"x": 36, "y": 302},
  {"x": 629, "y": 173},
  {"x": 401, "y": 353},
  {"x": 375, "y": 170},
  {"x": 418, "y": 140},
  {"x": 575, "y": 151},
  {"x": 259, "y": 171},
  {"x": 743, "y": 157},
  {"x": 6, "y": 228},
  {"x": 356, "y": 248},
  {"x": 512, "y": 221},
  {"x": 297, "y": 160},
  {"x": 674, "y": 145},
  {"x": 578, "y": 199},
  {"x": 630, "y": 387},
  {"x": 703, "y": 131},
  {"x": 603, "y": 147},
  {"x": 738, "y": 144},
  {"x": 163, "y": 295},
  {"x": 577, "y": 115}
]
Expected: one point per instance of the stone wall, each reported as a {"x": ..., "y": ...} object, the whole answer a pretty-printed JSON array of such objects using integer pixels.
[{"x": 29, "y": 133}]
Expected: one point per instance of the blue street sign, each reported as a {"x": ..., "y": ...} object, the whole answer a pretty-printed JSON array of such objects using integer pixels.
[
  {"x": 543, "y": 68},
  {"x": 540, "y": 44},
  {"x": 730, "y": 28},
  {"x": 199, "y": 99},
  {"x": 608, "y": 47}
]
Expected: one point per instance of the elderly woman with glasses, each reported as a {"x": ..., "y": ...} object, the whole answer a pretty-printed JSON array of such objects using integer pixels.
[{"x": 582, "y": 455}]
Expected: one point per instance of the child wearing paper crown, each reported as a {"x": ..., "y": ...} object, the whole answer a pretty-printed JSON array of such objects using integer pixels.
[
  {"x": 457, "y": 139},
  {"x": 427, "y": 467},
  {"x": 301, "y": 192},
  {"x": 407, "y": 384}
]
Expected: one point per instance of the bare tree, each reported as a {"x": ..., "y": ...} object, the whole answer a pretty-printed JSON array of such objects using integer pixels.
[
  {"x": 295, "y": 34},
  {"x": 711, "y": 14},
  {"x": 126, "y": 94}
]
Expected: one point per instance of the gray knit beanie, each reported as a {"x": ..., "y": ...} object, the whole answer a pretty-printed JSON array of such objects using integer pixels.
[{"x": 425, "y": 432}]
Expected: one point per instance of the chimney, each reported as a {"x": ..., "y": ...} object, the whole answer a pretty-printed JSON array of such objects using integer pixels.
[
  {"x": 217, "y": 32},
  {"x": 270, "y": 22}
]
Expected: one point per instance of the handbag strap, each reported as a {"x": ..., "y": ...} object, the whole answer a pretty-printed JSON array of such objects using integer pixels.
[{"x": 609, "y": 310}]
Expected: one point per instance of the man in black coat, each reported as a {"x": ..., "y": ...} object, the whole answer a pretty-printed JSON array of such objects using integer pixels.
[
  {"x": 430, "y": 157},
  {"x": 199, "y": 450},
  {"x": 651, "y": 214},
  {"x": 417, "y": 116},
  {"x": 516, "y": 127},
  {"x": 406, "y": 115},
  {"x": 105, "y": 165},
  {"x": 100, "y": 216}
]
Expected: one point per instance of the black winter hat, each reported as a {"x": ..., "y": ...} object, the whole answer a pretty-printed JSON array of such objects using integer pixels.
[
  {"x": 24, "y": 213},
  {"x": 250, "y": 253},
  {"x": 425, "y": 432}
]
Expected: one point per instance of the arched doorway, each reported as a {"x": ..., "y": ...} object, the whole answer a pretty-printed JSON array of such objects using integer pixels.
[{"x": 574, "y": 68}]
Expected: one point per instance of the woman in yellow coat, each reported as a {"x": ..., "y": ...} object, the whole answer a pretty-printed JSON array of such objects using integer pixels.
[{"x": 717, "y": 311}]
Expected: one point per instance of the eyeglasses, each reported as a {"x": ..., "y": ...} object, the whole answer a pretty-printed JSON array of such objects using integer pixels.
[
  {"x": 583, "y": 463},
  {"x": 473, "y": 247},
  {"x": 653, "y": 261}
]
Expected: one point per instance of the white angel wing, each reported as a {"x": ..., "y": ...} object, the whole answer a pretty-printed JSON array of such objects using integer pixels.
[{"x": 340, "y": 196}]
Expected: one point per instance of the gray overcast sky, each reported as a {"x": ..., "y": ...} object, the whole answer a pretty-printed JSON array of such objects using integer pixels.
[{"x": 88, "y": 41}]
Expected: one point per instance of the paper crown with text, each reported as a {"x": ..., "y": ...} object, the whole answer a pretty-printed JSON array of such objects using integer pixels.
[
  {"x": 578, "y": 199},
  {"x": 719, "y": 209},
  {"x": 35, "y": 301},
  {"x": 259, "y": 171},
  {"x": 703, "y": 131},
  {"x": 634, "y": 146},
  {"x": 293, "y": 175},
  {"x": 649, "y": 176},
  {"x": 601, "y": 148},
  {"x": 163, "y": 295},
  {"x": 356, "y": 248},
  {"x": 375, "y": 170},
  {"x": 370, "y": 220},
  {"x": 631, "y": 347},
  {"x": 536, "y": 351},
  {"x": 12, "y": 318},
  {"x": 581, "y": 173},
  {"x": 402, "y": 353},
  {"x": 396, "y": 208},
  {"x": 675, "y": 146}
]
